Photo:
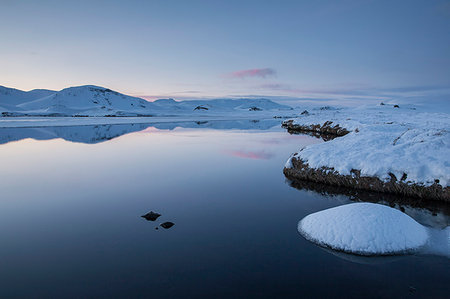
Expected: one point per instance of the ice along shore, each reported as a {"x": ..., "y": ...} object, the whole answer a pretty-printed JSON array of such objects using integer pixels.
[{"x": 382, "y": 148}]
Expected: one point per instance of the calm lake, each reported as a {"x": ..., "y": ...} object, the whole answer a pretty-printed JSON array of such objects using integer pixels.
[{"x": 72, "y": 200}]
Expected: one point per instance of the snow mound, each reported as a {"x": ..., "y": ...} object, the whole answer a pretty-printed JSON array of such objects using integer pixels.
[{"x": 364, "y": 229}]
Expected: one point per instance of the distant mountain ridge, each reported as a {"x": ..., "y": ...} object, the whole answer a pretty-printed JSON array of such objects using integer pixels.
[{"x": 90, "y": 100}]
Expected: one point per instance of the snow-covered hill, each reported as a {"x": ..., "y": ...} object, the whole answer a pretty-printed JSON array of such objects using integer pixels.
[
  {"x": 92, "y": 100},
  {"x": 11, "y": 97}
]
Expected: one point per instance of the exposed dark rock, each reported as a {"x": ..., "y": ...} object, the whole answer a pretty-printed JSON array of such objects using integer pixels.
[
  {"x": 167, "y": 224},
  {"x": 302, "y": 172},
  {"x": 305, "y": 112},
  {"x": 151, "y": 216},
  {"x": 324, "y": 137},
  {"x": 396, "y": 106},
  {"x": 254, "y": 109},
  {"x": 201, "y": 122},
  {"x": 200, "y": 108},
  {"x": 327, "y": 128}
]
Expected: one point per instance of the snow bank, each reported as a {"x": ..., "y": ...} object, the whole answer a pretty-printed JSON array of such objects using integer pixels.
[
  {"x": 384, "y": 142},
  {"x": 365, "y": 229}
]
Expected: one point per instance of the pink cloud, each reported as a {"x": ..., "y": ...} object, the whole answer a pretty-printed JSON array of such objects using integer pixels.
[
  {"x": 260, "y": 155},
  {"x": 261, "y": 73}
]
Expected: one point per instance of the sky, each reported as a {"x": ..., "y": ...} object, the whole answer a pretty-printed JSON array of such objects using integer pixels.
[{"x": 192, "y": 49}]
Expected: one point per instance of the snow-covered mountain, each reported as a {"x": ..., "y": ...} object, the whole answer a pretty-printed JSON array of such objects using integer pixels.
[
  {"x": 92, "y": 100},
  {"x": 11, "y": 97}
]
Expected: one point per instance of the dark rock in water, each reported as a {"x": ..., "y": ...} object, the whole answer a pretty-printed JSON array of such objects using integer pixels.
[
  {"x": 200, "y": 108},
  {"x": 167, "y": 224},
  {"x": 151, "y": 216},
  {"x": 396, "y": 106},
  {"x": 201, "y": 122}
]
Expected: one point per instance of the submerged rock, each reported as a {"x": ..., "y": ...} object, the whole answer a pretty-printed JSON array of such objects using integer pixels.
[
  {"x": 151, "y": 216},
  {"x": 364, "y": 229},
  {"x": 167, "y": 224}
]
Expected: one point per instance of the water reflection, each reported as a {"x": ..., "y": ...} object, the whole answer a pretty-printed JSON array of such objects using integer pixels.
[
  {"x": 319, "y": 135},
  {"x": 433, "y": 214},
  {"x": 92, "y": 134},
  {"x": 364, "y": 260},
  {"x": 234, "y": 221},
  {"x": 258, "y": 155}
]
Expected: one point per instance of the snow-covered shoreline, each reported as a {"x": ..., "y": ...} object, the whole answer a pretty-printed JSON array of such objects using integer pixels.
[{"x": 382, "y": 148}]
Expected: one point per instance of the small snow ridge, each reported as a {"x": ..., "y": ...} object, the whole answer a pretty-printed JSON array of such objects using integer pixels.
[{"x": 364, "y": 229}]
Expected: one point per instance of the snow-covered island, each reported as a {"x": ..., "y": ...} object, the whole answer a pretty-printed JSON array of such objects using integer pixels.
[
  {"x": 386, "y": 148},
  {"x": 372, "y": 229},
  {"x": 95, "y": 101}
]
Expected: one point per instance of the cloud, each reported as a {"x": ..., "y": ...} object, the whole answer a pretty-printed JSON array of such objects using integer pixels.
[{"x": 252, "y": 73}]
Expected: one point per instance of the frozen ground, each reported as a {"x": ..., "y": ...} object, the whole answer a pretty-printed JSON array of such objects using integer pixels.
[
  {"x": 372, "y": 229},
  {"x": 407, "y": 142}
]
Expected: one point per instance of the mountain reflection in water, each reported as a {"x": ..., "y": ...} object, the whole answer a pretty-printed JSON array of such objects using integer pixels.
[
  {"x": 434, "y": 214},
  {"x": 92, "y": 134}
]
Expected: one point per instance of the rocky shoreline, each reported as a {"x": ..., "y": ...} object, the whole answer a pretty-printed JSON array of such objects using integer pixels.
[
  {"x": 300, "y": 171},
  {"x": 382, "y": 151},
  {"x": 326, "y": 128}
]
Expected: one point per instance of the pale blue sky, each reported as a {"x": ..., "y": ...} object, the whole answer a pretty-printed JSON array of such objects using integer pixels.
[{"x": 203, "y": 48}]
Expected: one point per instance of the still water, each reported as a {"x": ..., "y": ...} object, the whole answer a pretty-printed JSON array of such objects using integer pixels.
[{"x": 72, "y": 200}]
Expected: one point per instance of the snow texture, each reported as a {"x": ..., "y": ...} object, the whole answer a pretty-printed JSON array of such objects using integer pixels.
[
  {"x": 412, "y": 145},
  {"x": 364, "y": 229},
  {"x": 92, "y": 100}
]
